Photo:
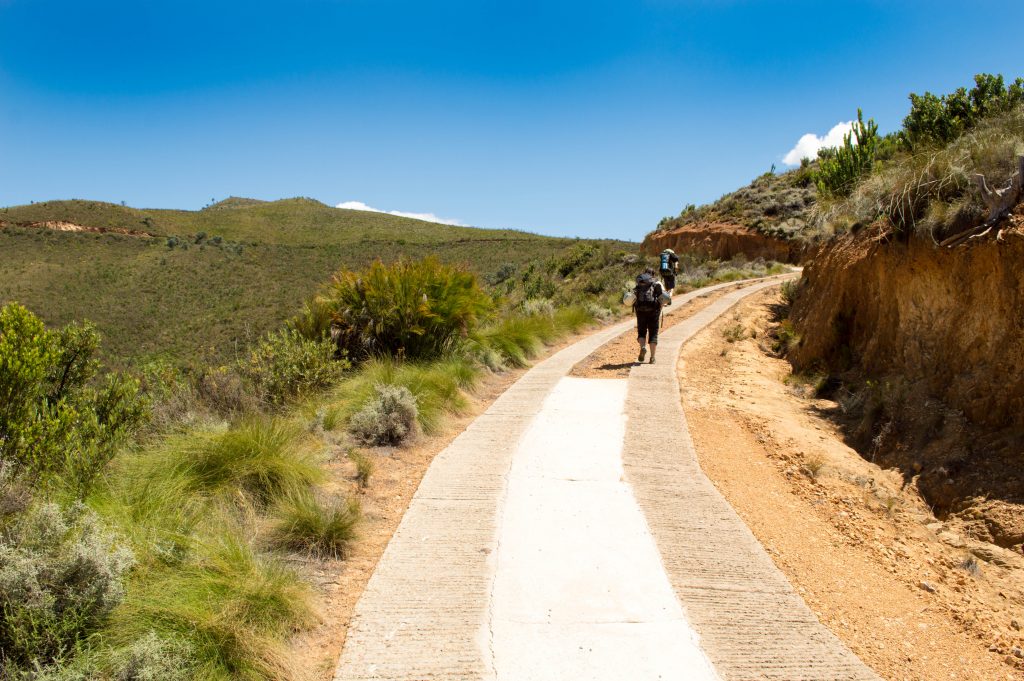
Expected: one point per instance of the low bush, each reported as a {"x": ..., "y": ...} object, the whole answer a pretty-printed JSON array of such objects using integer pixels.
[
  {"x": 61, "y": 575},
  {"x": 438, "y": 387},
  {"x": 388, "y": 419},
  {"x": 222, "y": 391},
  {"x": 260, "y": 459},
  {"x": 789, "y": 291},
  {"x": 304, "y": 523},
  {"x": 285, "y": 365},
  {"x": 415, "y": 309}
]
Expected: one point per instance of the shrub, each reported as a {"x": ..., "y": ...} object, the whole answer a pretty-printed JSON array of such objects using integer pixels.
[
  {"x": 61, "y": 574},
  {"x": 304, "y": 523},
  {"x": 388, "y": 419},
  {"x": 57, "y": 422},
  {"x": 261, "y": 458},
  {"x": 841, "y": 168},
  {"x": 538, "y": 306},
  {"x": 438, "y": 387},
  {"x": 734, "y": 333},
  {"x": 415, "y": 309},
  {"x": 938, "y": 120},
  {"x": 930, "y": 193},
  {"x": 285, "y": 365},
  {"x": 224, "y": 392},
  {"x": 789, "y": 291}
]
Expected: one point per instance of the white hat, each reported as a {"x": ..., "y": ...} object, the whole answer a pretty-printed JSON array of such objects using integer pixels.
[{"x": 669, "y": 250}]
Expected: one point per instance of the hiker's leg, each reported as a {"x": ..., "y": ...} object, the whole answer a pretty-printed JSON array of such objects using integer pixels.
[
  {"x": 641, "y": 329},
  {"x": 655, "y": 323}
]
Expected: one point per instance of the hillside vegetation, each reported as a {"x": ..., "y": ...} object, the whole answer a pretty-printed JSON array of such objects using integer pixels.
[
  {"x": 774, "y": 205},
  {"x": 207, "y": 283}
]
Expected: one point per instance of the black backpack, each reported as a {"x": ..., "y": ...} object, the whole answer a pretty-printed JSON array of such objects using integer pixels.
[{"x": 646, "y": 294}]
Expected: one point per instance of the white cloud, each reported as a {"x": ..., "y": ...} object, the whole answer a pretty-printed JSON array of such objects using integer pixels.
[
  {"x": 429, "y": 217},
  {"x": 809, "y": 144}
]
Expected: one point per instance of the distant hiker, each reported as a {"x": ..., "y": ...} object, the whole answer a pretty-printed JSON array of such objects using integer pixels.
[
  {"x": 647, "y": 297},
  {"x": 669, "y": 267}
]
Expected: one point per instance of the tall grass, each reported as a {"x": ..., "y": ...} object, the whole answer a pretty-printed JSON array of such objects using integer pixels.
[
  {"x": 259, "y": 459},
  {"x": 439, "y": 387},
  {"x": 302, "y": 522},
  {"x": 232, "y": 607}
]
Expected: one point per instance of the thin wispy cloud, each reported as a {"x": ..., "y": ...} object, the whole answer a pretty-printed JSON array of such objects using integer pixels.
[
  {"x": 810, "y": 143},
  {"x": 429, "y": 217}
]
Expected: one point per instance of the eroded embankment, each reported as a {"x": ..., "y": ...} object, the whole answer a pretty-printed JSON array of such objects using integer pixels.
[
  {"x": 723, "y": 241},
  {"x": 929, "y": 344}
]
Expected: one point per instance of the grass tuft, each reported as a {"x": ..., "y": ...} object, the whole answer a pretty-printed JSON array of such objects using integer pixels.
[
  {"x": 261, "y": 459},
  {"x": 325, "y": 530},
  {"x": 364, "y": 467}
]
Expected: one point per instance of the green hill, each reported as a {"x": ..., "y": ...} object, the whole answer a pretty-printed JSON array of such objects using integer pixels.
[{"x": 207, "y": 282}]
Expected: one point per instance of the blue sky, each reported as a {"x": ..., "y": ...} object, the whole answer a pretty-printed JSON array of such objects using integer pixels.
[{"x": 577, "y": 118}]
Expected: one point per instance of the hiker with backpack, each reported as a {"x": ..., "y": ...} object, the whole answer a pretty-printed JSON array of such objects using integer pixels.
[
  {"x": 647, "y": 298},
  {"x": 669, "y": 264}
]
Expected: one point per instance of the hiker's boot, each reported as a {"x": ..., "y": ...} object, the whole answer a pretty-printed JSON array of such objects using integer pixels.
[
  {"x": 643, "y": 353},
  {"x": 652, "y": 359}
]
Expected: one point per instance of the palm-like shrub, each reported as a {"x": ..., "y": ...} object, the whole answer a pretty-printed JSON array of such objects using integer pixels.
[{"x": 411, "y": 308}]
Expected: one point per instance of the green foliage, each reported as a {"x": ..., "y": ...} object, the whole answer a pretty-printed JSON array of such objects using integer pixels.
[
  {"x": 56, "y": 423},
  {"x": 438, "y": 386},
  {"x": 230, "y": 607},
  {"x": 412, "y": 308},
  {"x": 388, "y": 419},
  {"x": 200, "y": 307},
  {"x": 61, "y": 575},
  {"x": 285, "y": 365},
  {"x": 576, "y": 259},
  {"x": 259, "y": 459},
  {"x": 938, "y": 120},
  {"x": 304, "y": 523},
  {"x": 840, "y": 170},
  {"x": 930, "y": 193},
  {"x": 789, "y": 291}
]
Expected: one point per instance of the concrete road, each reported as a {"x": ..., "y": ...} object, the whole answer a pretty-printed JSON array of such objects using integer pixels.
[{"x": 569, "y": 533}]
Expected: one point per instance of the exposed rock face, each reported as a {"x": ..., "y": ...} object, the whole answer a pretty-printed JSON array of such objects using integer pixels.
[
  {"x": 723, "y": 241},
  {"x": 952, "y": 318},
  {"x": 931, "y": 342}
]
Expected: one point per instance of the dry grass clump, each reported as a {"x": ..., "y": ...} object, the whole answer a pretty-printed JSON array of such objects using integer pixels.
[
  {"x": 323, "y": 529},
  {"x": 364, "y": 467}
]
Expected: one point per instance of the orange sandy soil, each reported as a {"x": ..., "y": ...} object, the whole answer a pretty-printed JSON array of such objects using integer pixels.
[{"x": 865, "y": 553}]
